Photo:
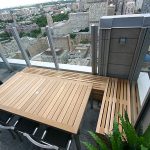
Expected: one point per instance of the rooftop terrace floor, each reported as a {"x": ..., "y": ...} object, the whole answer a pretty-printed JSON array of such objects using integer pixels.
[{"x": 89, "y": 123}]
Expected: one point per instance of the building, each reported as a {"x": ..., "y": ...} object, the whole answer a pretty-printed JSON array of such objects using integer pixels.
[
  {"x": 61, "y": 28},
  {"x": 111, "y": 9},
  {"x": 146, "y": 6},
  {"x": 125, "y": 7},
  {"x": 88, "y": 3},
  {"x": 96, "y": 11},
  {"x": 139, "y": 4},
  {"x": 22, "y": 28},
  {"x": 47, "y": 8},
  {"x": 5, "y": 16},
  {"x": 78, "y": 21},
  {"x": 129, "y": 7},
  {"x": 26, "y": 11}
]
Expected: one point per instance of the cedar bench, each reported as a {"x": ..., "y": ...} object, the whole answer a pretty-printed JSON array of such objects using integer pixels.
[
  {"x": 135, "y": 102},
  {"x": 117, "y": 99}
]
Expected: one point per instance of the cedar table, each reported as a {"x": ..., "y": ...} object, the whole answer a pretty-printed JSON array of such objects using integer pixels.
[{"x": 52, "y": 101}]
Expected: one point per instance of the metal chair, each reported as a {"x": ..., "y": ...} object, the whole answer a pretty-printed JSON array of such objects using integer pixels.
[
  {"x": 1, "y": 82},
  {"x": 43, "y": 136},
  {"x": 57, "y": 137},
  {"x": 5, "y": 118}
]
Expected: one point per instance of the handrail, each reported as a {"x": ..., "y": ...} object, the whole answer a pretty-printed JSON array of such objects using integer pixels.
[
  {"x": 6, "y": 127},
  {"x": 48, "y": 146}
]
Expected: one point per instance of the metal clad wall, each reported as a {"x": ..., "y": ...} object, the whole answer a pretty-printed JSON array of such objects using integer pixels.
[{"x": 124, "y": 41}]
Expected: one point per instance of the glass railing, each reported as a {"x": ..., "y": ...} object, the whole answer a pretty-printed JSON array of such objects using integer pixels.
[{"x": 73, "y": 50}]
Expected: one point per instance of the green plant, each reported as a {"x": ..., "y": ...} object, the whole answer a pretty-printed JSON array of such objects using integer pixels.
[
  {"x": 72, "y": 35},
  {"x": 34, "y": 33},
  {"x": 85, "y": 41},
  {"x": 60, "y": 17},
  {"x": 128, "y": 139},
  {"x": 40, "y": 21},
  {"x": 85, "y": 30}
]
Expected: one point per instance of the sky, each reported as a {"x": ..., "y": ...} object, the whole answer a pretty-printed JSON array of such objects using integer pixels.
[{"x": 14, "y": 3}]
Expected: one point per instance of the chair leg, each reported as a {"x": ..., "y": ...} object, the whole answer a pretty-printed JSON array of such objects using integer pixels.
[
  {"x": 77, "y": 141},
  {"x": 12, "y": 134},
  {"x": 19, "y": 136}
]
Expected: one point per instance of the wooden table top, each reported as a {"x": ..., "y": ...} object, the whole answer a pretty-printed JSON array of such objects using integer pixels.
[
  {"x": 56, "y": 102},
  {"x": 99, "y": 82}
]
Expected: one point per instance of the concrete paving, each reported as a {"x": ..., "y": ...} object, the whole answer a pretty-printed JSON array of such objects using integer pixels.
[{"x": 88, "y": 123}]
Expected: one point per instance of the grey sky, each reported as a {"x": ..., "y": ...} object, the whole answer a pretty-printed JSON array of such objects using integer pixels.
[{"x": 14, "y": 3}]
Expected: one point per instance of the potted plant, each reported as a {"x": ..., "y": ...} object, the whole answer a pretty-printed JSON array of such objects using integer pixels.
[{"x": 128, "y": 139}]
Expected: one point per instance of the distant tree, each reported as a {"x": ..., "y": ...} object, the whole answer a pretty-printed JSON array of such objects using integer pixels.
[
  {"x": 60, "y": 17},
  {"x": 41, "y": 21},
  {"x": 64, "y": 58},
  {"x": 44, "y": 34},
  {"x": 22, "y": 34},
  {"x": 84, "y": 30},
  {"x": 4, "y": 36},
  {"x": 33, "y": 33},
  {"x": 72, "y": 35},
  {"x": 9, "y": 21},
  {"x": 1, "y": 21},
  {"x": 86, "y": 41}
]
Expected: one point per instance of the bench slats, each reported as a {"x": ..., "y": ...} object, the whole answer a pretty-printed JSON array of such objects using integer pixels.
[{"x": 116, "y": 100}]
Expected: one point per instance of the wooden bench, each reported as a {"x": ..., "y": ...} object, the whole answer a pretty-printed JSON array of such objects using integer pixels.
[
  {"x": 135, "y": 102},
  {"x": 116, "y": 100}
]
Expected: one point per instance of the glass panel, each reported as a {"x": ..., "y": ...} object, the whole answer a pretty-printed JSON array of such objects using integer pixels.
[{"x": 144, "y": 77}]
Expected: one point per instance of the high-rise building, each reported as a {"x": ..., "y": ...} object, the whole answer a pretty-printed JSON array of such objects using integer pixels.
[
  {"x": 125, "y": 7},
  {"x": 146, "y": 6},
  {"x": 129, "y": 7},
  {"x": 139, "y": 4}
]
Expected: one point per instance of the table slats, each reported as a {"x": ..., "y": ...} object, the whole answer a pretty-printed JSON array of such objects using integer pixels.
[{"x": 53, "y": 101}]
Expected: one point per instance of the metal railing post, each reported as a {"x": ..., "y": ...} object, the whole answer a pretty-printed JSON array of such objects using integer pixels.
[
  {"x": 94, "y": 41},
  {"x": 5, "y": 61},
  {"x": 18, "y": 40},
  {"x": 50, "y": 40}
]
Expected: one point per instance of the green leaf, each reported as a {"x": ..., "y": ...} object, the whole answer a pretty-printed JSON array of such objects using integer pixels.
[
  {"x": 126, "y": 116},
  {"x": 143, "y": 148},
  {"x": 98, "y": 141},
  {"x": 146, "y": 138},
  {"x": 115, "y": 137},
  {"x": 89, "y": 146},
  {"x": 130, "y": 133}
]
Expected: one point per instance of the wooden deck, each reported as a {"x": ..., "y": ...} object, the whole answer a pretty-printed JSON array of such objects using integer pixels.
[
  {"x": 50, "y": 100},
  {"x": 67, "y": 94}
]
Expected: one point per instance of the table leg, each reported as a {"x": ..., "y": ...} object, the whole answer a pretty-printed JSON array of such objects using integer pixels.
[
  {"x": 91, "y": 101},
  {"x": 77, "y": 141}
]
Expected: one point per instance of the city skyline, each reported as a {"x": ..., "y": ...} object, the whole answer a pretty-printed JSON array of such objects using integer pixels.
[{"x": 16, "y": 3}]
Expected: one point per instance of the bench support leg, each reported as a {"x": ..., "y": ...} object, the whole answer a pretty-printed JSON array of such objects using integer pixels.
[{"x": 77, "y": 141}]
